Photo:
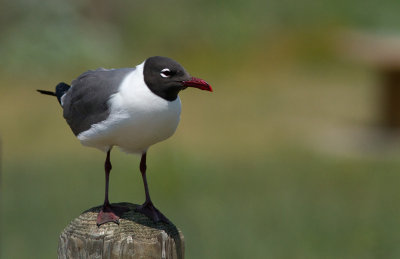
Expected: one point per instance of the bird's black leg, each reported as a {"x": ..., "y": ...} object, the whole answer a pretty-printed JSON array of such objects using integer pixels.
[
  {"x": 147, "y": 207},
  {"x": 107, "y": 212}
]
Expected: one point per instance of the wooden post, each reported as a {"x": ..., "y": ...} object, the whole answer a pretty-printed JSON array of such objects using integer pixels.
[
  {"x": 135, "y": 237},
  {"x": 382, "y": 53},
  {"x": 391, "y": 98}
]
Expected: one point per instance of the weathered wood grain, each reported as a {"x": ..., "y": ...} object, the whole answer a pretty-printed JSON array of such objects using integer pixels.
[{"x": 135, "y": 237}]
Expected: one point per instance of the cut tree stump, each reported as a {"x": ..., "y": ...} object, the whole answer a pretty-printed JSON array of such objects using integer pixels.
[{"x": 136, "y": 236}]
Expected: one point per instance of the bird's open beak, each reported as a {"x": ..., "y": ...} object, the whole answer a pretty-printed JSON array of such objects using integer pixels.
[{"x": 197, "y": 83}]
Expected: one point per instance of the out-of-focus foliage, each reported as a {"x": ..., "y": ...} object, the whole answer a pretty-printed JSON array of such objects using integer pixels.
[{"x": 53, "y": 34}]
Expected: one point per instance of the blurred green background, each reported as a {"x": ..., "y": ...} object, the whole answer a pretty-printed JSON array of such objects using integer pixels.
[{"x": 281, "y": 161}]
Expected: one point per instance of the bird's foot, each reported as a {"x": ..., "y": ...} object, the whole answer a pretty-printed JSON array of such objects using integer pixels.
[
  {"x": 109, "y": 213},
  {"x": 152, "y": 212}
]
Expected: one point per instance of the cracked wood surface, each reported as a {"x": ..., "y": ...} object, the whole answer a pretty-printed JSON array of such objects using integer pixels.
[{"x": 135, "y": 237}]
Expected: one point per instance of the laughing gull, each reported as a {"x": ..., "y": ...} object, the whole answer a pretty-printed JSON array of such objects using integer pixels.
[{"x": 132, "y": 108}]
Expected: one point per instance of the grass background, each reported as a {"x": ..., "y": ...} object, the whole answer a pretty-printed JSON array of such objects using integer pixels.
[{"x": 281, "y": 161}]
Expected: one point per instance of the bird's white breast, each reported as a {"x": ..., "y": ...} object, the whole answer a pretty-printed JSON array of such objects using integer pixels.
[{"x": 138, "y": 118}]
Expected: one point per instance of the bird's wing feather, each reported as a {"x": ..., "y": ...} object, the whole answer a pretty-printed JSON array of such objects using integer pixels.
[{"x": 86, "y": 103}]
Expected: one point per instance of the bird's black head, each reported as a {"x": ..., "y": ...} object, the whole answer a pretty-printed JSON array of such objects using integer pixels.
[{"x": 166, "y": 77}]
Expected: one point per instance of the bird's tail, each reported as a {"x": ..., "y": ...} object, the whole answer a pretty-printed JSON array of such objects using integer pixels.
[{"x": 61, "y": 89}]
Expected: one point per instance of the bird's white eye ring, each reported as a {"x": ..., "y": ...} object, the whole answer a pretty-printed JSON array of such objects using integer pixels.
[{"x": 166, "y": 73}]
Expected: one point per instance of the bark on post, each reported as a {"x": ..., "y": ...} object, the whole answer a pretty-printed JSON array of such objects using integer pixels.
[{"x": 135, "y": 237}]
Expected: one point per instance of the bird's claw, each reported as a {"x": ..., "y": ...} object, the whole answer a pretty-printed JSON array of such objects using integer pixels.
[
  {"x": 152, "y": 212},
  {"x": 110, "y": 213}
]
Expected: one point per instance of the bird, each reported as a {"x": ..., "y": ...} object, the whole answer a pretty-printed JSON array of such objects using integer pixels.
[{"x": 131, "y": 108}]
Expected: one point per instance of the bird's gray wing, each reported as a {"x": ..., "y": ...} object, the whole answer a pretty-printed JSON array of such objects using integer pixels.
[{"x": 86, "y": 102}]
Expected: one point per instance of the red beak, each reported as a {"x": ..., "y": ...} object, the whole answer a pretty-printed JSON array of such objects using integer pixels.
[{"x": 197, "y": 83}]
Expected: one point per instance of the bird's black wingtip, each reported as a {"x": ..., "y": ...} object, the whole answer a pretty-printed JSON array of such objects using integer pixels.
[{"x": 46, "y": 92}]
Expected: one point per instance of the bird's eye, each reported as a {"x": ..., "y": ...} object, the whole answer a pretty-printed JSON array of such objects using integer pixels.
[{"x": 166, "y": 73}]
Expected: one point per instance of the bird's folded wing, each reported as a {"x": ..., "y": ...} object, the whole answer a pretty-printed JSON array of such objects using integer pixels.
[{"x": 86, "y": 103}]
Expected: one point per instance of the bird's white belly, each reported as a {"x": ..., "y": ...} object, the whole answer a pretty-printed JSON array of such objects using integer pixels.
[
  {"x": 135, "y": 136},
  {"x": 133, "y": 132},
  {"x": 138, "y": 119}
]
